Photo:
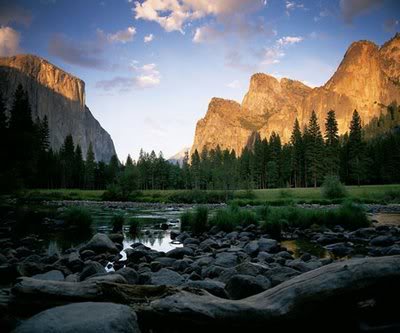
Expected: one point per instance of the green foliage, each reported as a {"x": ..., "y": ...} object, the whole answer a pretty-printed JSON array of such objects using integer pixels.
[
  {"x": 392, "y": 196},
  {"x": 77, "y": 218},
  {"x": 228, "y": 218},
  {"x": 348, "y": 215},
  {"x": 332, "y": 188},
  {"x": 134, "y": 226},
  {"x": 196, "y": 222},
  {"x": 117, "y": 222}
]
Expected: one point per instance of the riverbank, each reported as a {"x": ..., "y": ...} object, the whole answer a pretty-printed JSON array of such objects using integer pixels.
[{"x": 210, "y": 280}]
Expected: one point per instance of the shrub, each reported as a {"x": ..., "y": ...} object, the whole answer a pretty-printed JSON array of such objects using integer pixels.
[
  {"x": 77, "y": 218},
  {"x": 392, "y": 196},
  {"x": 134, "y": 226},
  {"x": 332, "y": 188},
  {"x": 229, "y": 218},
  {"x": 117, "y": 222},
  {"x": 196, "y": 221}
]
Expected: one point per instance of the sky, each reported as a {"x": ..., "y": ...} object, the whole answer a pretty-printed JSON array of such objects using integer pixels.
[{"x": 152, "y": 66}]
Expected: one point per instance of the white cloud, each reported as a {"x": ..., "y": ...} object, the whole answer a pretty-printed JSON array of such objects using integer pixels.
[
  {"x": 173, "y": 14},
  {"x": 234, "y": 84},
  {"x": 122, "y": 36},
  {"x": 272, "y": 55},
  {"x": 289, "y": 40},
  {"x": 9, "y": 41},
  {"x": 148, "y": 38},
  {"x": 205, "y": 34},
  {"x": 146, "y": 76}
]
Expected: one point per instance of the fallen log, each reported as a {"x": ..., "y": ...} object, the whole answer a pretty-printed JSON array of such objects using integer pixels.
[
  {"x": 336, "y": 290},
  {"x": 333, "y": 291}
]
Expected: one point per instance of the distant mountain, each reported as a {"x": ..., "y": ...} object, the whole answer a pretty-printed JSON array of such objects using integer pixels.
[
  {"x": 367, "y": 79},
  {"x": 58, "y": 95},
  {"x": 178, "y": 157}
]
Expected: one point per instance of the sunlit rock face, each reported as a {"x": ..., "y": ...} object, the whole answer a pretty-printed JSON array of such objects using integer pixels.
[
  {"x": 58, "y": 95},
  {"x": 367, "y": 79}
]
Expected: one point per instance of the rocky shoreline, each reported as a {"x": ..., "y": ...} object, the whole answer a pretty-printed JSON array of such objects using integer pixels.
[{"x": 225, "y": 267}]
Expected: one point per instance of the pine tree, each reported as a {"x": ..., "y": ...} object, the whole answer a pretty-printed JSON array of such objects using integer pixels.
[
  {"x": 296, "y": 142},
  {"x": 195, "y": 168},
  {"x": 3, "y": 116},
  {"x": 129, "y": 162},
  {"x": 78, "y": 168},
  {"x": 357, "y": 154},
  {"x": 44, "y": 134},
  {"x": 332, "y": 151},
  {"x": 67, "y": 156},
  {"x": 90, "y": 168},
  {"x": 314, "y": 150}
]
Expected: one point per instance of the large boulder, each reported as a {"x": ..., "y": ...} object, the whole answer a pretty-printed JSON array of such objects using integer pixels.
[
  {"x": 53, "y": 275},
  {"x": 180, "y": 252},
  {"x": 91, "y": 268},
  {"x": 88, "y": 317},
  {"x": 131, "y": 276},
  {"x": 101, "y": 243},
  {"x": 226, "y": 259},
  {"x": 268, "y": 245},
  {"x": 215, "y": 288},
  {"x": 242, "y": 286},
  {"x": 167, "y": 277}
]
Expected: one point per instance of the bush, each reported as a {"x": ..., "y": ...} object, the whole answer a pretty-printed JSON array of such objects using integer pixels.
[
  {"x": 332, "y": 188},
  {"x": 392, "y": 196},
  {"x": 77, "y": 218},
  {"x": 229, "y": 218},
  {"x": 196, "y": 222},
  {"x": 117, "y": 222},
  {"x": 134, "y": 226}
]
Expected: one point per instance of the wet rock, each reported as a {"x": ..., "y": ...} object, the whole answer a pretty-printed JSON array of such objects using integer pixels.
[
  {"x": 167, "y": 277},
  {"x": 268, "y": 245},
  {"x": 208, "y": 244},
  {"x": 180, "y": 252},
  {"x": 181, "y": 265},
  {"x": 252, "y": 248},
  {"x": 136, "y": 254},
  {"x": 339, "y": 249},
  {"x": 155, "y": 266},
  {"x": 278, "y": 275},
  {"x": 75, "y": 263},
  {"x": 242, "y": 286},
  {"x": 108, "y": 277},
  {"x": 87, "y": 254},
  {"x": 215, "y": 288},
  {"x": 191, "y": 241},
  {"x": 53, "y": 275},
  {"x": 131, "y": 276},
  {"x": 101, "y": 243},
  {"x": 382, "y": 241},
  {"x": 91, "y": 268},
  {"x": 265, "y": 257},
  {"x": 116, "y": 237},
  {"x": 226, "y": 259},
  {"x": 88, "y": 317},
  {"x": 166, "y": 262}
]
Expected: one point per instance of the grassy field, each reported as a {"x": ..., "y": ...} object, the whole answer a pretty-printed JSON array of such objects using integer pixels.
[{"x": 367, "y": 194}]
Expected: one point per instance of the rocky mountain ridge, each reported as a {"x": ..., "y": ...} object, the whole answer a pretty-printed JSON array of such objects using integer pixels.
[
  {"x": 367, "y": 79},
  {"x": 58, "y": 95}
]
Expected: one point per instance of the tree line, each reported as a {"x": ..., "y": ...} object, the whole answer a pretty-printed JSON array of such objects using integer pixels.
[{"x": 369, "y": 155}]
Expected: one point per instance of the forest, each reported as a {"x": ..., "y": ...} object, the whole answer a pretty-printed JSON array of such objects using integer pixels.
[{"x": 364, "y": 155}]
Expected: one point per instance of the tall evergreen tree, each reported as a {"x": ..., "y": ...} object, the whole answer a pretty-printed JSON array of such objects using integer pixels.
[
  {"x": 314, "y": 150},
  {"x": 78, "y": 167},
  {"x": 90, "y": 168},
  {"x": 67, "y": 156},
  {"x": 357, "y": 154},
  {"x": 332, "y": 148},
  {"x": 296, "y": 141}
]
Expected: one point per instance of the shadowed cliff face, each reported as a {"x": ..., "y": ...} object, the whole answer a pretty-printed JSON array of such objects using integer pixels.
[
  {"x": 368, "y": 79},
  {"x": 61, "y": 97}
]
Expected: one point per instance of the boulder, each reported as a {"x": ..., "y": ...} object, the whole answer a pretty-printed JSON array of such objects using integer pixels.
[
  {"x": 53, "y": 275},
  {"x": 278, "y": 275},
  {"x": 101, "y": 243},
  {"x": 87, "y": 317},
  {"x": 167, "y": 277},
  {"x": 382, "y": 241},
  {"x": 180, "y": 252},
  {"x": 131, "y": 276},
  {"x": 226, "y": 259},
  {"x": 215, "y": 288},
  {"x": 252, "y": 248},
  {"x": 268, "y": 245},
  {"x": 242, "y": 286},
  {"x": 91, "y": 268}
]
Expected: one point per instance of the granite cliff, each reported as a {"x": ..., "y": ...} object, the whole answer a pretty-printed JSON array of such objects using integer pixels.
[
  {"x": 367, "y": 79},
  {"x": 58, "y": 95}
]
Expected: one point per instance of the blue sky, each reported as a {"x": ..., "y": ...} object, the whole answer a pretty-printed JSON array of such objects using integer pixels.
[{"x": 152, "y": 66}]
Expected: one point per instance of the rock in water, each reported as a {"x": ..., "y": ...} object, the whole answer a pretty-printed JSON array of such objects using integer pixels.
[
  {"x": 61, "y": 97},
  {"x": 85, "y": 317},
  {"x": 101, "y": 243},
  {"x": 366, "y": 80}
]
